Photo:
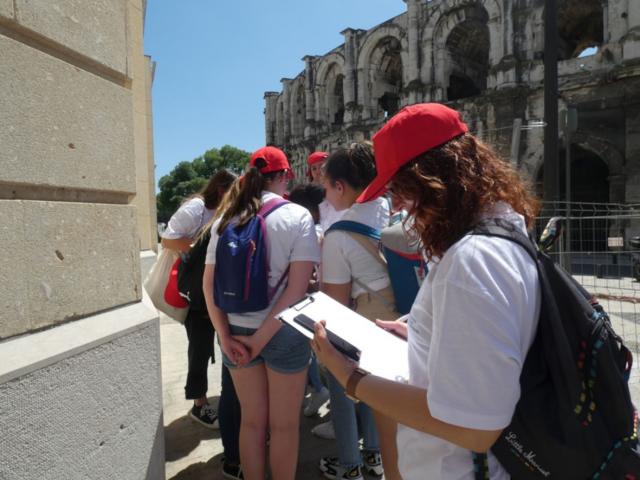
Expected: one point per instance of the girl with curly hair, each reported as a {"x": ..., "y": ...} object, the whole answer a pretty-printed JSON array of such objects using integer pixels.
[{"x": 476, "y": 314}]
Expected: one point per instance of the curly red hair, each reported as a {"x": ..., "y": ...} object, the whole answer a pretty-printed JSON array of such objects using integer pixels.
[{"x": 446, "y": 188}]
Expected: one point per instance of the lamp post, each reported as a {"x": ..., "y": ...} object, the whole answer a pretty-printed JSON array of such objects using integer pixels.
[
  {"x": 569, "y": 121},
  {"x": 551, "y": 170}
]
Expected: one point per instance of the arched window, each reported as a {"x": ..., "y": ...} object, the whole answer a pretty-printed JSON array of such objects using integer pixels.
[
  {"x": 468, "y": 48},
  {"x": 298, "y": 110},
  {"x": 387, "y": 72},
  {"x": 580, "y": 27},
  {"x": 335, "y": 96},
  {"x": 589, "y": 185}
]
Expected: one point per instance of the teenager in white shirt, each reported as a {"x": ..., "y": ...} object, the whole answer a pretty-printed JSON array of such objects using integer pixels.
[
  {"x": 185, "y": 225},
  {"x": 268, "y": 361},
  {"x": 182, "y": 230},
  {"x": 476, "y": 314},
  {"x": 328, "y": 213},
  {"x": 352, "y": 275}
]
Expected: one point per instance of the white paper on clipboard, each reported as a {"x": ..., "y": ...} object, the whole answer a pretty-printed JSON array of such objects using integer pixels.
[{"x": 383, "y": 354}]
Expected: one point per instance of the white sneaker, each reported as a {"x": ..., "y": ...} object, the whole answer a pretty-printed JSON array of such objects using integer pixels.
[
  {"x": 324, "y": 430},
  {"x": 315, "y": 402}
]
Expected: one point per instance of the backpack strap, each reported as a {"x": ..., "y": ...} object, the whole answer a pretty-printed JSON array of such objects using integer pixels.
[
  {"x": 503, "y": 229},
  {"x": 500, "y": 229},
  {"x": 271, "y": 206},
  {"x": 480, "y": 466},
  {"x": 356, "y": 227},
  {"x": 267, "y": 209},
  {"x": 361, "y": 233}
]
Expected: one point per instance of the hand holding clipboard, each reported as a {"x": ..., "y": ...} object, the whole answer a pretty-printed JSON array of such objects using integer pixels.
[
  {"x": 377, "y": 351},
  {"x": 341, "y": 345}
]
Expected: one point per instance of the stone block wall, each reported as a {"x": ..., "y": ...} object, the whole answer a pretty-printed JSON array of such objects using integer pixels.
[{"x": 78, "y": 345}]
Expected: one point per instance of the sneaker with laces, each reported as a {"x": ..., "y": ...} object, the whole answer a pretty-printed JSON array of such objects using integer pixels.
[
  {"x": 331, "y": 468},
  {"x": 205, "y": 415},
  {"x": 316, "y": 400},
  {"x": 324, "y": 430},
  {"x": 232, "y": 471},
  {"x": 372, "y": 462}
]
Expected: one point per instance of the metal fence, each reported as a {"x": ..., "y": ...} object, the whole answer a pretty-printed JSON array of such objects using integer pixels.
[{"x": 596, "y": 245}]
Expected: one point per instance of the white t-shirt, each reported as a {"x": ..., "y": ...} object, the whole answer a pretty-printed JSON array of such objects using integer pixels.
[
  {"x": 344, "y": 259},
  {"x": 470, "y": 328},
  {"x": 291, "y": 237},
  {"x": 188, "y": 220},
  {"x": 328, "y": 214}
]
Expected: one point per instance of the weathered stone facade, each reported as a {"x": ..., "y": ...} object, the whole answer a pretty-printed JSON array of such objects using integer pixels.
[{"x": 485, "y": 58}]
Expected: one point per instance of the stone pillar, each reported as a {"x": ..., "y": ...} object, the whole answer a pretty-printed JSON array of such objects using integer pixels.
[
  {"x": 615, "y": 20},
  {"x": 350, "y": 85},
  {"x": 286, "y": 97},
  {"x": 271, "y": 103},
  {"x": 617, "y": 188},
  {"x": 279, "y": 121},
  {"x": 632, "y": 168},
  {"x": 317, "y": 100},
  {"x": 441, "y": 80},
  {"x": 310, "y": 81},
  {"x": 413, "y": 34},
  {"x": 634, "y": 15},
  {"x": 631, "y": 45}
]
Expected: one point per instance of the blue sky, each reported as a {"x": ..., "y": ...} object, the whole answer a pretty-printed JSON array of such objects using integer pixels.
[{"x": 216, "y": 58}]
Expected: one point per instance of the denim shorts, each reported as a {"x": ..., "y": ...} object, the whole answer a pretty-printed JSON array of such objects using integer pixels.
[{"x": 288, "y": 351}]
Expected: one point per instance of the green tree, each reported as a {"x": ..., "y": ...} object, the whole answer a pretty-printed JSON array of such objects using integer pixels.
[{"x": 187, "y": 178}]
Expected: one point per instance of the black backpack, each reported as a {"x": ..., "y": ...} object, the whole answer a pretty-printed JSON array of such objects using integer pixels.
[
  {"x": 575, "y": 418},
  {"x": 190, "y": 273}
]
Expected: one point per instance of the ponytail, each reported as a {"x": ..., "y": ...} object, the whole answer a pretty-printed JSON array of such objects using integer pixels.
[{"x": 244, "y": 199}]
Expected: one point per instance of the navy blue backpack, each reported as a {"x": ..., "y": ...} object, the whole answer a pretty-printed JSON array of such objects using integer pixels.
[{"x": 241, "y": 280}]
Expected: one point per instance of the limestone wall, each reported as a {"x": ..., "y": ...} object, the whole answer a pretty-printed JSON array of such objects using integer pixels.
[
  {"x": 76, "y": 165},
  {"x": 79, "y": 344}
]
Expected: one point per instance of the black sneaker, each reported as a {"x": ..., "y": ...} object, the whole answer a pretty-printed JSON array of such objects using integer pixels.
[
  {"x": 229, "y": 470},
  {"x": 205, "y": 415},
  {"x": 372, "y": 462},
  {"x": 332, "y": 469}
]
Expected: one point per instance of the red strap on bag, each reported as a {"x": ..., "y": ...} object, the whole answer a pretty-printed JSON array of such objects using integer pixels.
[{"x": 171, "y": 293}]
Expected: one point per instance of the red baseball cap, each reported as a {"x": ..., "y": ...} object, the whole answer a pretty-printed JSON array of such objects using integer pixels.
[
  {"x": 412, "y": 131},
  {"x": 317, "y": 157},
  {"x": 276, "y": 160}
]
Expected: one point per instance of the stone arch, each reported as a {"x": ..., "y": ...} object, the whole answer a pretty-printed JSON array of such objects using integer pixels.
[
  {"x": 444, "y": 18},
  {"x": 325, "y": 63},
  {"x": 602, "y": 148},
  {"x": 330, "y": 84},
  {"x": 382, "y": 71},
  {"x": 597, "y": 177},
  {"x": 580, "y": 26},
  {"x": 297, "y": 107},
  {"x": 608, "y": 153}
]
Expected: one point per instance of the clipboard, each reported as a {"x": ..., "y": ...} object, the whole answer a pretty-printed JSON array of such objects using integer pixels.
[{"x": 381, "y": 353}]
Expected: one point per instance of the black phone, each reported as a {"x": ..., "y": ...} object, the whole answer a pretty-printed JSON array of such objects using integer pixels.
[{"x": 341, "y": 345}]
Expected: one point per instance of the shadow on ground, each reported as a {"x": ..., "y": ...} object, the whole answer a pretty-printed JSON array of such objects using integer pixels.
[
  {"x": 183, "y": 435},
  {"x": 210, "y": 470}
]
